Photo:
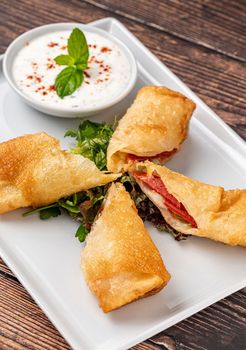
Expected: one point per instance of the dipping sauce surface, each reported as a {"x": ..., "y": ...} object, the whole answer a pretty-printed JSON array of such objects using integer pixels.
[{"x": 35, "y": 71}]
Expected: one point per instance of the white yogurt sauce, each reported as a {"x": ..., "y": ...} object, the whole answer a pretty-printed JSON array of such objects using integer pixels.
[{"x": 35, "y": 70}]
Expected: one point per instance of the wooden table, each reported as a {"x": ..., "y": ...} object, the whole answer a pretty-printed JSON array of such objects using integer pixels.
[{"x": 204, "y": 43}]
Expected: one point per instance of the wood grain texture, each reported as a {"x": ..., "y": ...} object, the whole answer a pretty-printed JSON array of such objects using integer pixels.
[
  {"x": 203, "y": 42},
  {"x": 22, "y": 323},
  {"x": 195, "y": 21}
]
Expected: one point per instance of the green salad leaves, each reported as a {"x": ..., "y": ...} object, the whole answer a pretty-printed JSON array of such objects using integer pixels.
[
  {"x": 92, "y": 141},
  {"x": 71, "y": 77},
  {"x": 82, "y": 207}
]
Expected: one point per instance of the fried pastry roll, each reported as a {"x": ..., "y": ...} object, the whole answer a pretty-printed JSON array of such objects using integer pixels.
[
  {"x": 34, "y": 171},
  {"x": 120, "y": 261},
  {"x": 153, "y": 128},
  {"x": 192, "y": 207}
]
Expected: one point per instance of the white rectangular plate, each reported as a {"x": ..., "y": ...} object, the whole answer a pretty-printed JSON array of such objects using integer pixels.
[{"x": 45, "y": 256}]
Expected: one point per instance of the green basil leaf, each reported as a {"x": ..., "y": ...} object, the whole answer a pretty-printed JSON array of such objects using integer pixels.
[
  {"x": 82, "y": 63},
  {"x": 64, "y": 60},
  {"x": 79, "y": 77},
  {"x": 77, "y": 45},
  {"x": 81, "y": 233},
  {"x": 67, "y": 81},
  {"x": 81, "y": 66},
  {"x": 45, "y": 214}
]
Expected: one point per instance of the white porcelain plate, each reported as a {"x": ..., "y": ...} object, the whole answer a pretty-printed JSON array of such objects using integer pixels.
[{"x": 45, "y": 255}]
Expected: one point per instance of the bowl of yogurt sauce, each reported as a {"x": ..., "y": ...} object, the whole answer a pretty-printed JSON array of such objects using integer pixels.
[{"x": 31, "y": 70}]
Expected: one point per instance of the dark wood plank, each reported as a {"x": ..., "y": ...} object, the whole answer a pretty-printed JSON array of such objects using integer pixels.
[
  {"x": 22, "y": 324},
  {"x": 219, "y": 80},
  {"x": 5, "y": 269},
  {"x": 211, "y": 328},
  {"x": 218, "y": 25}
]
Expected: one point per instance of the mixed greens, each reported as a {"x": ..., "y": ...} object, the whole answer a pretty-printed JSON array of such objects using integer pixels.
[
  {"x": 92, "y": 141},
  {"x": 82, "y": 207}
]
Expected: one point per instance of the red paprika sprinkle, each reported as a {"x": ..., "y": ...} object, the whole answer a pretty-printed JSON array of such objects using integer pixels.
[
  {"x": 38, "y": 79},
  {"x": 105, "y": 49},
  {"x": 86, "y": 74},
  {"x": 40, "y": 88},
  {"x": 50, "y": 65},
  {"x": 30, "y": 77},
  {"x": 63, "y": 47},
  {"x": 52, "y": 88},
  {"x": 52, "y": 44}
]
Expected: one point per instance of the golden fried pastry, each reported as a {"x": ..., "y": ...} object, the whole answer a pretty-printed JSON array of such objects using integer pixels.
[
  {"x": 153, "y": 128},
  {"x": 120, "y": 261},
  {"x": 34, "y": 171},
  {"x": 192, "y": 207}
]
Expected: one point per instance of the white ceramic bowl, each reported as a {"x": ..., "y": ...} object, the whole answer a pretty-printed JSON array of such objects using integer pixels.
[{"x": 61, "y": 111}]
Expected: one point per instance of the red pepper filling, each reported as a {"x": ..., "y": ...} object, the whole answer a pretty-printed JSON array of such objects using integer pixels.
[
  {"x": 161, "y": 156},
  {"x": 174, "y": 206}
]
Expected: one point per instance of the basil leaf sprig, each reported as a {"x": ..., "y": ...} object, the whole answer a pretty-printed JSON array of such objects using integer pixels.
[{"x": 71, "y": 77}]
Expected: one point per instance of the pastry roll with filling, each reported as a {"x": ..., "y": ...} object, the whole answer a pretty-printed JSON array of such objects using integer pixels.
[
  {"x": 153, "y": 128},
  {"x": 34, "y": 171},
  {"x": 194, "y": 208},
  {"x": 120, "y": 261}
]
